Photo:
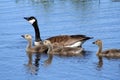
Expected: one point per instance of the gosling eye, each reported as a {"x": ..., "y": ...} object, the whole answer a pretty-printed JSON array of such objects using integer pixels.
[
  {"x": 44, "y": 41},
  {"x": 27, "y": 35}
]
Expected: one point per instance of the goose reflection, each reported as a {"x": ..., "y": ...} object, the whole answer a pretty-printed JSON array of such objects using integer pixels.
[
  {"x": 49, "y": 60},
  {"x": 33, "y": 67},
  {"x": 100, "y": 62}
]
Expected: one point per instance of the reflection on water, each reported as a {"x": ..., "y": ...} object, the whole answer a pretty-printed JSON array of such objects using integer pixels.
[
  {"x": 37, "y": 59},
  {"x": 49, "y": 60},
  {"x": 100, "y": 62},
  {"x": 33, "y": 64},
  {"x": 33, "y": 68},
  {"x": 55, "y": 17},
  {"x": 48, "y": 5}
]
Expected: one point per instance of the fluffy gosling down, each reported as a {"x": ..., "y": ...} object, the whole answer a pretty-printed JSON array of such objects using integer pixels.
[
  {"x": 41, "y": 48},
  {"x": 111, "y": 53},
  {"x": 61, "y": 50}
]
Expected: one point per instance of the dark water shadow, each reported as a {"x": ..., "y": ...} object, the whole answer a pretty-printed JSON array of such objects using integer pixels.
[
  {"x": 44, "y": 2},
  {"x": 49, "y": 3},
  {"x": 115, "y": 0}
]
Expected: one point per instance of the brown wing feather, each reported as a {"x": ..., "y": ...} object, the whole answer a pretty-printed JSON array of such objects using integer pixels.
[
  {"x": 61, "y": 38},
  {"x": 68, "y": 39}
]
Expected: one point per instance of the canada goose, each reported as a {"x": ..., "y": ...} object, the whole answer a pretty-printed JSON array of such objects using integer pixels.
[
  {"x": 110, "y": 53},
  {"x": 62, "y": 40},
  {"x": 41, "y": 48},
  {"x": 61, "y": 50}
]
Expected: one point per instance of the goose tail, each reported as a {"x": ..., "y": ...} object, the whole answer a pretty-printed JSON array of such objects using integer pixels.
[{"x": 87, "y": 38}]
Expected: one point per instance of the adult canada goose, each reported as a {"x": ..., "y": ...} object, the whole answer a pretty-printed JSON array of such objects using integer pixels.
[
  {"x": 41, "y": 48},
  {"x": 61, "y": 50},
  {"x": 62, "y": 40},
  {"x": 110, "y": 53}
]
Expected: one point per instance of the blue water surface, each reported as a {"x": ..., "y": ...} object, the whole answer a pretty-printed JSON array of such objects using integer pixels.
[{"x": 97, "y": 18}]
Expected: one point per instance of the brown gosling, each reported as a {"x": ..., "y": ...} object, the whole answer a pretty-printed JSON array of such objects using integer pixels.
[
  {"x": 61, "y": 50},
  {"x": 110, "y": 53},
  {"x": 41, "y": 48}
]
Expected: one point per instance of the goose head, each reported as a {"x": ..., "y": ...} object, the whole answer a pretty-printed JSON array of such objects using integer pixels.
[
  {"x": 31, "y": 19},
  {"x": 27, "y": 36},
  {"x": 98, "y": 42}
]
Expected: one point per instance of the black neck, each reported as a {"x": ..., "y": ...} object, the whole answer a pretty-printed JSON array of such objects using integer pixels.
[{"x": 37, "y": 33}]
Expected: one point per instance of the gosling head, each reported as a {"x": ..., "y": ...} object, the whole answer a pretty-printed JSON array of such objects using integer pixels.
[
  {"x": 46, "y": 42},
  {"x": 31, "y": 19},
  {"x": 27, "y": 36},
  {"x": 98, "y": 42}
]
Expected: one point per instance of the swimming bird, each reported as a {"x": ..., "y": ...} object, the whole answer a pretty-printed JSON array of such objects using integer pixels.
[
  {"x": 62, "y": 40},
  {"x": 61, "y": 50},
  {"x": 41, "y": 48},
  {"x": 110, "y": 53}
]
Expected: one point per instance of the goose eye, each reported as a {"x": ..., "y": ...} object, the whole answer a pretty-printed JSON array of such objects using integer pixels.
[{"x": 30, "y": 18}]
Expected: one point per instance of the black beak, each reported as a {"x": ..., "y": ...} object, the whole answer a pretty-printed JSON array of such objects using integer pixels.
[
  {"x": 23, "y": 36},
  {"x": 26, "y": 18},
  {"x": 93, "y": 42}
]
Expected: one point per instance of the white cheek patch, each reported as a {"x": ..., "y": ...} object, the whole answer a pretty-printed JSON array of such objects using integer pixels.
[
  {"x": 32, "y": 21},
  {"x": 75, "y": 44}
]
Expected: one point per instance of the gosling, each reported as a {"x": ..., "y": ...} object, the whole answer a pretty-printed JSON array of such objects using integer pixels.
[
  {"x": 41, "y": 48},
  {"x": 63, "y": 51},
  {"x": 110, "y": 53}
]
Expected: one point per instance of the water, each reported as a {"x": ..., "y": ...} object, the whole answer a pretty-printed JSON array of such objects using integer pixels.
[{"x": 100, "y": 19}]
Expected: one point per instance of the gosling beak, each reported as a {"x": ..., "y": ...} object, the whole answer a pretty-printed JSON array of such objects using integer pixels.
[
  {"x": 26, "y": 18},
  {"x": 93, "y": 42},
  {"x": 23, "y": 36}
]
